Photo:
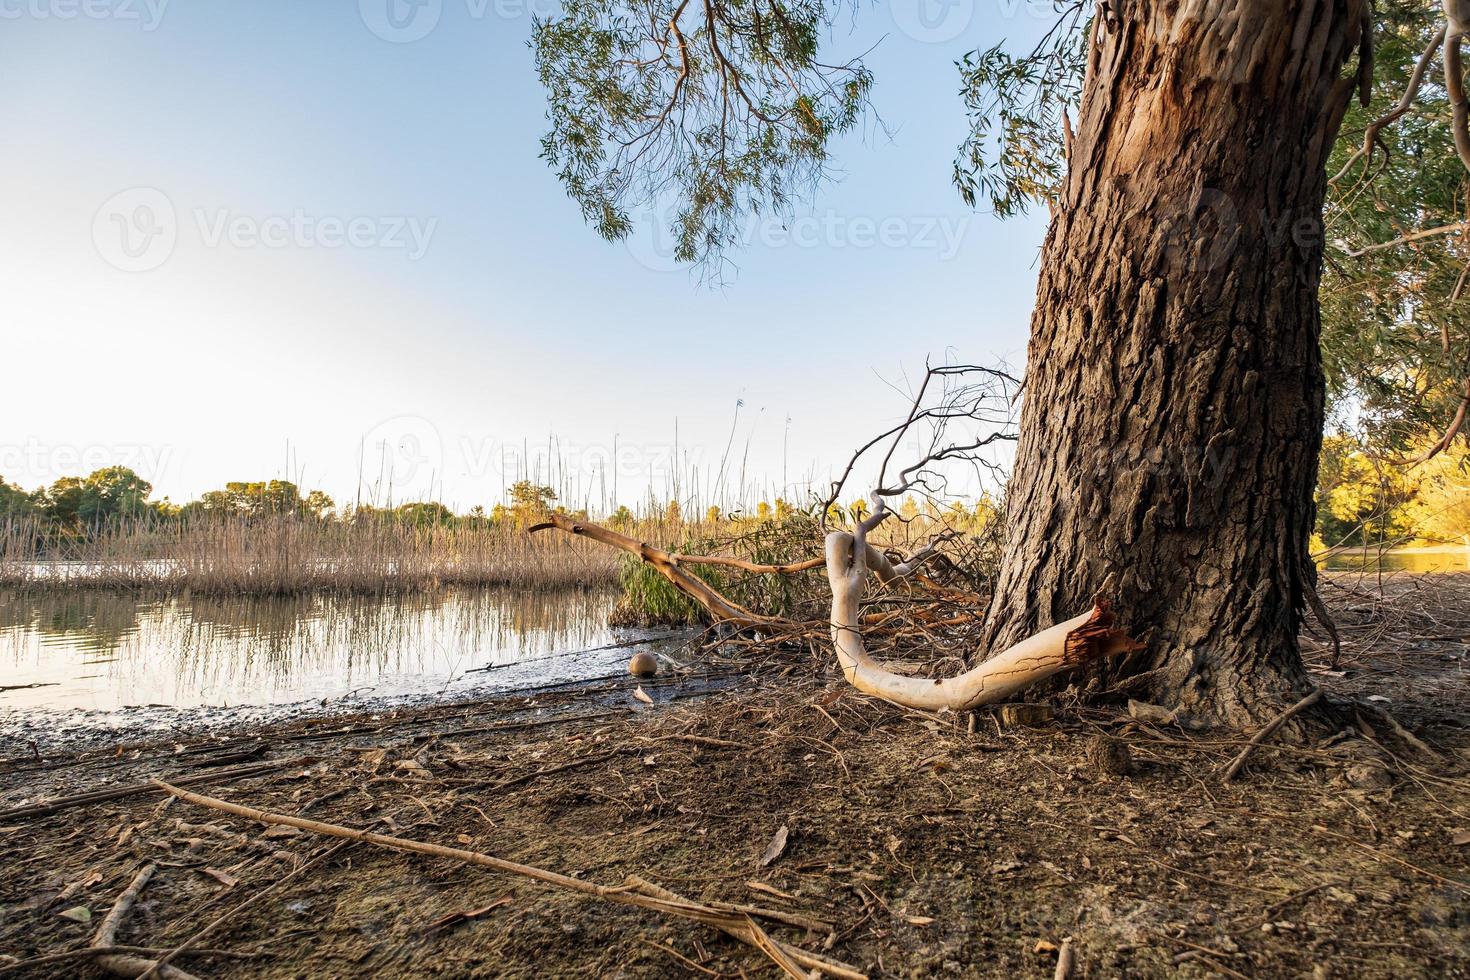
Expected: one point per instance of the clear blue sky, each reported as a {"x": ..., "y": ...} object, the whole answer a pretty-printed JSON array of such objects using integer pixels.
[{"x": 336, "y": 240}]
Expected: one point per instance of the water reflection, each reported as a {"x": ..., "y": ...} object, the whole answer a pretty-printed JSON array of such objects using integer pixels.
[
  {"x": 1418, "y": 561},
  {"x": 104, "y": 650}
]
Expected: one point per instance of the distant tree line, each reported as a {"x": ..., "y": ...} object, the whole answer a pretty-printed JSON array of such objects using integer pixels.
[
  {"x": 1361, "y": 500},
  {"x": 76, "y": 506}
]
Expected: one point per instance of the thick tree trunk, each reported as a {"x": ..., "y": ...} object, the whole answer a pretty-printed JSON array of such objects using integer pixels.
[{"x": 1174, "y": 392}]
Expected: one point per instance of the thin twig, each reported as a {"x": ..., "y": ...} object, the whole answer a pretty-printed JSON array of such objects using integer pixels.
[{"x": 1234, "y": 768}]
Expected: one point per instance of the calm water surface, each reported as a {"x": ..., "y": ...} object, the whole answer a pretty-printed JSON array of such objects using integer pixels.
[
  {"x": 1414, "y": 561},
  {"x": 102, "y": 651}
]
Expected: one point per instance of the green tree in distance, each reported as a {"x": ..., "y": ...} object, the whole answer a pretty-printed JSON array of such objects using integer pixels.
[
  {"x": 108, "y": 494},
  {"x": 530, "y": 503}
]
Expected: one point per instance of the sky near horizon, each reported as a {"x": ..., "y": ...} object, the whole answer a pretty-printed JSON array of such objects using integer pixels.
[{"x": 252, "y": 240}]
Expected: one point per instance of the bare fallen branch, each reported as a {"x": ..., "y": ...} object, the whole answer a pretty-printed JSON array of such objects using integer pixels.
[
  {"x": 125, "y": 964},
  {"x": 1065, "y": 645},
  {"x": 667, "y": 564}
]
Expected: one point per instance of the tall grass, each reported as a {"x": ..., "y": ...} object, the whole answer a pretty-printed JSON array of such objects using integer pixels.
[
  {"x": 285, "y": 555},
  {"x": 289, "y": 554}
]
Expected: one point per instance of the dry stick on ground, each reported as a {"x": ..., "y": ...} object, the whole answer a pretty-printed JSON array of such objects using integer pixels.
[
  {"x": 716, "y": 918},
  {"x": 1403, "y": 733},
  {"x": 92, "y": 952},
  {"x": 119, "y": 792},
  {"x": 123, "y": 964},
  {"x": 1066, "y": 960},
  {"x": 158, "y": 968},
  {"x": 743, "y": 933},
  {"x": 1234, "y": 768}
]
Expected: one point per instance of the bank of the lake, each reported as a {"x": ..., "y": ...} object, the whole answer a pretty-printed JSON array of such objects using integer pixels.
[
  {"x": 1430, "y": 559},
  {"x": 83, "y": 664}
]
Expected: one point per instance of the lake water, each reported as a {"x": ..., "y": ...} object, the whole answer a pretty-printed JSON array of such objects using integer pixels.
[
  {"x": 101, "y": 651},
  {"x": 1417, "y": 561}
]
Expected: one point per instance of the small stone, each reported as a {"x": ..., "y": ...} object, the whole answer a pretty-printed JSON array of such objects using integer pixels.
[{"x": 643, "y": 664}]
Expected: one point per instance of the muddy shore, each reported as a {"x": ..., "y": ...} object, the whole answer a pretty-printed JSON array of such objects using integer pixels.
[
  {"x": 906, "y": 844},
  {"x": 42, "y": 732}
]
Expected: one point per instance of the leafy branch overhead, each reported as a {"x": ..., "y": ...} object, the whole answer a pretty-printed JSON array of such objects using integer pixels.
[
  {"x": 726, "y": 108},
  {"x": 1016, "y": 152},
  {"x": 1394, "y": 318},
  {"x": 723, "y": 106}
]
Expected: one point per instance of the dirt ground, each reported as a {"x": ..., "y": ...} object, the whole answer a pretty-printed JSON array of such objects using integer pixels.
[{"x": 914, "y": 844}]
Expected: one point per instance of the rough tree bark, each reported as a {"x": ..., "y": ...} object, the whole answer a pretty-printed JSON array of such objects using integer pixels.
[{"x": 1174, "y": 392}]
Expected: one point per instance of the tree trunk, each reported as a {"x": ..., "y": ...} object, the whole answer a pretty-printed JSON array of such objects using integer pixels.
[{"x": 1174, "y": 393}]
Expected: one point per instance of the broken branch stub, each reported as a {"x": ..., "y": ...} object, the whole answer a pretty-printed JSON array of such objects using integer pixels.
[{"x": 1069, "y": 644}]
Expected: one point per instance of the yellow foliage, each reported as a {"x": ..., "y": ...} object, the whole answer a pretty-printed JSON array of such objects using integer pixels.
[{"x": 1439, "y": 511}]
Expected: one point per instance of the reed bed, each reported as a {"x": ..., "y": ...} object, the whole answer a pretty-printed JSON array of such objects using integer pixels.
[
  {"x": 291, "y": 554},
  {"x": 286, "y": 555}
]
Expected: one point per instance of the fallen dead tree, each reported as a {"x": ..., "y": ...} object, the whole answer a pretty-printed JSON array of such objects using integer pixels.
[
  {"x": 850, "y": 558},
  {"x": 1069, "y": 644}
]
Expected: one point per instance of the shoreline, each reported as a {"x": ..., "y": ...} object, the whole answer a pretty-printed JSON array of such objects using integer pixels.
[{"x": 70, "y": 730}]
